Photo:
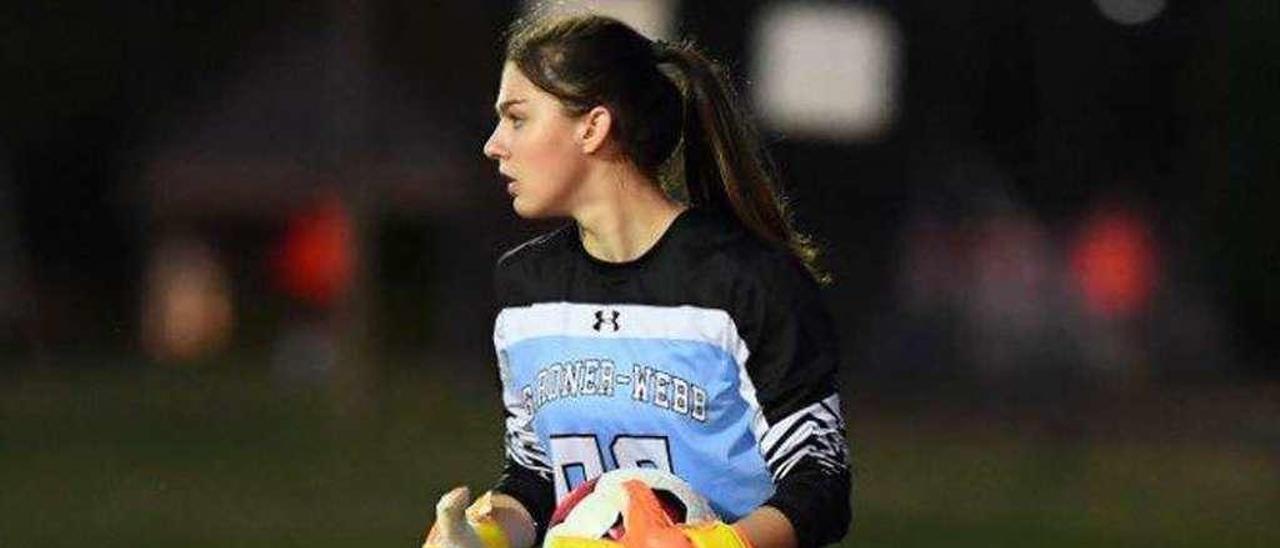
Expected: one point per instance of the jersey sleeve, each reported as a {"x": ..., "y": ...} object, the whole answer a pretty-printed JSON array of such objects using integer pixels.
[
  {"x": 526, "y": 471},
  {"x": 793, "y": 367}
]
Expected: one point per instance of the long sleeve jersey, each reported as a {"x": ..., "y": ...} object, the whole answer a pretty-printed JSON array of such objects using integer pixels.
[{"x": 711, "y": 356}]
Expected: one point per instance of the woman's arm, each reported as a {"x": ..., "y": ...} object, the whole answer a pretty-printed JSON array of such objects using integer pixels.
[
  {"x": 767, "y": 527},
  {"x": 794, "y": 366}
]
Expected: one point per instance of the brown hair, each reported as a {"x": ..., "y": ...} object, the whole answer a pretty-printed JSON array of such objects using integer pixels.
[{"x": 676, "y": 116}]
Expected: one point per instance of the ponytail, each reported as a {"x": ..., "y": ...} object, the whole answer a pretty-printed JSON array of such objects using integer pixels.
[{"x": 723, "y": 165}]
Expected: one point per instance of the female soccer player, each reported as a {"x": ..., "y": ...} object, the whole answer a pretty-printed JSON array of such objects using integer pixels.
[{"x": 676, "y": 323}]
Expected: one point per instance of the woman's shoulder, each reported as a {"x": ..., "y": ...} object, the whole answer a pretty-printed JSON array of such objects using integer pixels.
[
  {"x": 763, "y": 286},
  {"x": 718, "y": 243}
]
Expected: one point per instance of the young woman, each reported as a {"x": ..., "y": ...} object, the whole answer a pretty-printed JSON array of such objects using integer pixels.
[{"x": 676, "y": 323}]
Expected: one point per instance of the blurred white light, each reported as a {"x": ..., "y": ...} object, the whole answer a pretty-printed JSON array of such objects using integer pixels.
[
  {"x": 652, "y": 18},
  {"x": 826, "y": 71},
  {"x": 1130, "y": 12}
]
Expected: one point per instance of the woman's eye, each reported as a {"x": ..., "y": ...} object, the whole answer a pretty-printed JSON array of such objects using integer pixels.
[{"x": 517, "y": 122}]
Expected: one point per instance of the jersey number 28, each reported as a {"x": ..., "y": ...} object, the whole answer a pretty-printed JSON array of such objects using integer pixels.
[{"x": 580, "y": 457}]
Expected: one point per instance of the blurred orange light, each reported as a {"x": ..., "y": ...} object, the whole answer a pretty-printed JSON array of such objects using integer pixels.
[
  {"x": 315, "y": 260},
  {"x": 1113, "y": 261},
  {"x": 187, "y": 309}
]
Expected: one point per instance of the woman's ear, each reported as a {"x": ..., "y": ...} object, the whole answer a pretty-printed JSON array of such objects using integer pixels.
[{"x": 594, "y": 129}]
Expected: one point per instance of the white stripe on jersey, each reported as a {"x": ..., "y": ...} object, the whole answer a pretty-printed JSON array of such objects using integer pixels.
[
  {"x": 817, "y": 431},
  {"x": 677, "y": 323}
]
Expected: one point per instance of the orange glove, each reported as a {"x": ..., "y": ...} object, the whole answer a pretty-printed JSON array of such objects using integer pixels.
[{"x": 649, "y": 526}]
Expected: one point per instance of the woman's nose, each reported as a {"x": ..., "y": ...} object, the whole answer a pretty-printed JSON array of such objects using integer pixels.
[{"x": 491, "y": 146}]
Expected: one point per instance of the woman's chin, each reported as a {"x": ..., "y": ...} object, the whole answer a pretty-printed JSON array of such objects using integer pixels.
[{"x": 527, "y": 210}]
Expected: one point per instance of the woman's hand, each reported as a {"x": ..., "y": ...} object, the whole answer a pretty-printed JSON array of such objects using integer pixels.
[
  {"x": 451, "y": 529},
  {"x": 493, "y": 521}
]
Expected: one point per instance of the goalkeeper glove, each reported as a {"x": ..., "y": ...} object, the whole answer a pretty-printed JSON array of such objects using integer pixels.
[
  {"x": 648, "y": 526},
  {"x": 473, "y": 527}
]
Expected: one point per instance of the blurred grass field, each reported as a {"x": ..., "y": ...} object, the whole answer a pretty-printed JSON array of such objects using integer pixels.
[{"x": 155, "y": 457}]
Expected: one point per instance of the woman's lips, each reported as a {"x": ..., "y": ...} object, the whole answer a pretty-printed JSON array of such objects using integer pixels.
[{"x": 511, "y": 182}]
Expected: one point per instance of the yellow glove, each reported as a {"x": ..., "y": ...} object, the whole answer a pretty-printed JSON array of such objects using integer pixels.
[
  {"x": 473, "y": 527},
  {"x": 648, "y": 526}
]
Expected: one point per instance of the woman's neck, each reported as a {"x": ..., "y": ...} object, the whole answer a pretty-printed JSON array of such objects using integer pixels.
[{"x": 626, "y": 216}]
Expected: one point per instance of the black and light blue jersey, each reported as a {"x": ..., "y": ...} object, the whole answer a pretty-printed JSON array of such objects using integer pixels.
[{"x": 710, "y": 356}]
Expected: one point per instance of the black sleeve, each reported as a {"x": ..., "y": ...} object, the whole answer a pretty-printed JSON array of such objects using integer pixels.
[
  {"x": 534, "y": 492},
  {"x": 526, "y": 472},
  {"x": 793, "y": 366}
]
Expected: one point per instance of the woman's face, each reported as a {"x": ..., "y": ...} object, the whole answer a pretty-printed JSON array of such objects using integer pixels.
[{"x": 535, "y": 146}]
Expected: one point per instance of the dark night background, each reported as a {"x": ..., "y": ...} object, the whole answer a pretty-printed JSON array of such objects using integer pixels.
[{"x": 1023, "y": 130}]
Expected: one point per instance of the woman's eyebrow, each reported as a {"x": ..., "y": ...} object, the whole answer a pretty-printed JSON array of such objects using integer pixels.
[{"x": 503, "y": 106}]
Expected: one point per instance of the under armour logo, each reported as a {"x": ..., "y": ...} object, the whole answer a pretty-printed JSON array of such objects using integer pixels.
[{"x": 601, "y": 320}]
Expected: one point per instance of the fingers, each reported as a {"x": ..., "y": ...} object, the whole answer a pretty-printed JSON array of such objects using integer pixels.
[
  {"x": 454, "y": 502},
  {"x": 451, "y": 523},
  {"x": 648, "y": 525}
]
